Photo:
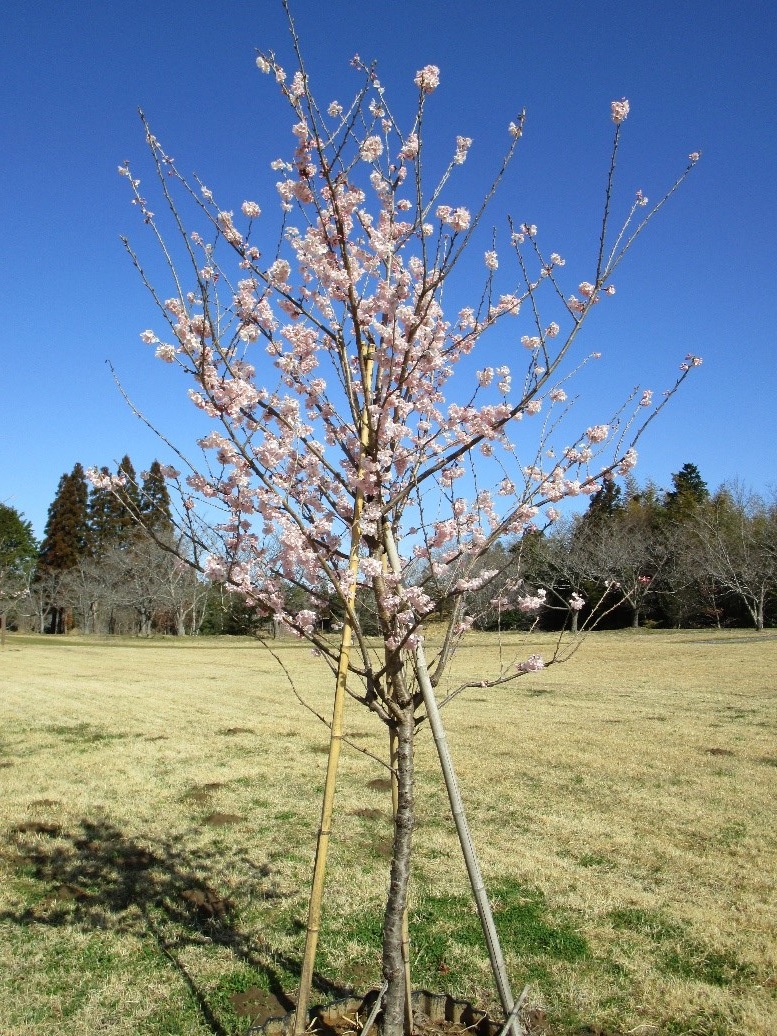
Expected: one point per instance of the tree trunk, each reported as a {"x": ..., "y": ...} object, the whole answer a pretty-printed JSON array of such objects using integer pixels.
[
  {"x": 393, "y": 930},
  {"x": 635, "y": 619},
  {"x": 405, "y": 924},
  {"x": 485, "y": 912}
]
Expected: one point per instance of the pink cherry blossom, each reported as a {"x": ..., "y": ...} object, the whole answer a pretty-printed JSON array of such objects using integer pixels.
[
  {"x": 409, "y": 147},
  {"x": 228, "y": 229},
  {"x": 691, "y": 361},
  {"x": 628, "y": 463},
  {"x": 279, "y": 272},
  {"x": 428, "y": 78},
  {"x": 166, "y": 353},
  {"x": 598, "y": 433},
  {"x": 533, "y": 664},
  {"x": 619, "y": 111},
  {"x": 463, "y": 144},
  {"x": 460, "y": 219},
  {"x": 371, "y": 149},
  {"x": 297, "y": 85}
]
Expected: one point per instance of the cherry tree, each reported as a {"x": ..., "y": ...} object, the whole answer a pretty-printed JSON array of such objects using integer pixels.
[{"x": 364, "y": 446}]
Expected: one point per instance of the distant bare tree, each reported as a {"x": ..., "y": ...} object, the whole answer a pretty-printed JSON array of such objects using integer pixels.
[
  {"x": 736, "y": 538},
  {"x": 625, "y": 552},
  {"x": 555, "y": 563},
  {"x": 167, "y": 584},
  {"x": 83, "y": 590}
]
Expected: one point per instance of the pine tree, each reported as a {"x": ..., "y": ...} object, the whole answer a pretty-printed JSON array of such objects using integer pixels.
[
  {"x": 66, "y": 536},
  {"x": 116, "y": 513},
  {"x": 129, "y": 500},
  {"x": 105, "y": 522},
  {"x": 606, "y": 503},
  {"x": 689, "y": 491},
  {"x": 155, "y": 499}
]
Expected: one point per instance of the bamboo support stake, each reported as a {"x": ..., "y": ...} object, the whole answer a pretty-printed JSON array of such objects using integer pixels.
[
  {"x": 375, "y": 1010},
  {"x": 333, "y": 760},
  {"x": 324, "y": 832},
  {"x": 485, "y": 913},
  {"x": 514, "y": 1013}
]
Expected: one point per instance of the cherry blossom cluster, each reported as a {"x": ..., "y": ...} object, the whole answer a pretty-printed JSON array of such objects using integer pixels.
[{"x": 342, "y": 412}]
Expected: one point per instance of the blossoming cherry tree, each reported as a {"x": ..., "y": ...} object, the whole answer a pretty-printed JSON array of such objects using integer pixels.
[{"x": 362, "y": 453}]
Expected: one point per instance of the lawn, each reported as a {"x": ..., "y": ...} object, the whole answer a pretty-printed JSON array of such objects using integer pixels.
[{"x": 160, "y": 804}]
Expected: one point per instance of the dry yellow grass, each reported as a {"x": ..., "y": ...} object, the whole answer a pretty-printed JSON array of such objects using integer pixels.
[{"x": 160, "y": 801}]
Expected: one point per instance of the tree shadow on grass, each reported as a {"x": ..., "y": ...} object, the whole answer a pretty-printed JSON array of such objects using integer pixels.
[{"x": 96, "y": 877}]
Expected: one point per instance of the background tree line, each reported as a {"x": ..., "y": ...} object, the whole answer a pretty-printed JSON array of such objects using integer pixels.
[
  {"x": 107, "y": 563},
  {"x": 639, "y": 555}
]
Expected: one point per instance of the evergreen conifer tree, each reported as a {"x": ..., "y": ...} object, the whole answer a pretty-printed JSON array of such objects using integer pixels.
[
  {"x": 689, "y": 491},
  {"x": 606, "y": 503},
  {"x": 17, "y": 543},
  {"x": 105, "y": 518},
  {"x": 129, "y": 502},
  {"x": 155, "y": 499},
  {"x": 66, "y": 536},
  {"x": 18, "y": 552}
]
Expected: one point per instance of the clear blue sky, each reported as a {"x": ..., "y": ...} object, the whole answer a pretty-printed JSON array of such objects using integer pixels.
[{"x": 698, "y": 76}]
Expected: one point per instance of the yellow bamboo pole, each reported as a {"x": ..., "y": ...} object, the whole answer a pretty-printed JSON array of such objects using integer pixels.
[{"x": 335, "y": 745}]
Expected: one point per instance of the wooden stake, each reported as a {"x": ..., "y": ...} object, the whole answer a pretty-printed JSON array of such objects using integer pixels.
[
  {"x": 335, "y": 745},
  {"x": 485, "y": 913}
]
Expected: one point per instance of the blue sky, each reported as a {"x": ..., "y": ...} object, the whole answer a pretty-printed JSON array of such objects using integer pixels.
[{"x": 699, "y": 77}]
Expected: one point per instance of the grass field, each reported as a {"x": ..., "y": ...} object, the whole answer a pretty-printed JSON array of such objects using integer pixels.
[{"x": 160, "y": 802}]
